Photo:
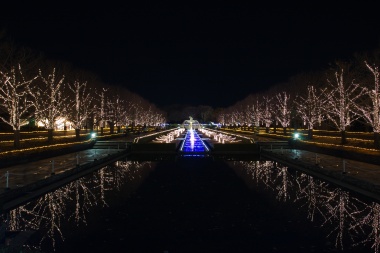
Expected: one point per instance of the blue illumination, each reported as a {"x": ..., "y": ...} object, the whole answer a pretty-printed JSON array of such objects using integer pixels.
[{"x": 193, "y": 143}]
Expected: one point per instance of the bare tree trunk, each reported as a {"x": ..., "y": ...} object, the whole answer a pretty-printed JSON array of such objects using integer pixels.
[
  {"x": 101, "y": 131},
  {"x": 77, "y": 134},
  {"x": 343, "y": 136},
  {"x": 118, "y": 129},
  {"x": 284, "y": 130},
  {"x": 91, "y": 124},
  {"x": 50, "y": 135},
  {"x": 376, "y": 140},
  {"x": 310, "y": 134},
  {"x": 112, "y": 128},
  {"x": 16, "y": 139},
  {"x": 267, "y": 129}
]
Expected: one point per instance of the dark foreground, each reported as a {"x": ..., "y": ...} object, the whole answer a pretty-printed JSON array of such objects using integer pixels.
[{"x": 196, "y": 205}]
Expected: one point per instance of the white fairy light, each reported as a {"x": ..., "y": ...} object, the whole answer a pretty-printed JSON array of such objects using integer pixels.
[{"x": 14, "y": 98}]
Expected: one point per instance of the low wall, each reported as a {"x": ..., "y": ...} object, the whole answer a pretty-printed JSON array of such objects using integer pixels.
[{"x": 38, "y": 155}]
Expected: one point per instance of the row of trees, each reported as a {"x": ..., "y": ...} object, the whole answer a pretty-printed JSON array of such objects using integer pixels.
[
  {"x": 345, "y": 93},
  {"x": 34, "y": 87}
]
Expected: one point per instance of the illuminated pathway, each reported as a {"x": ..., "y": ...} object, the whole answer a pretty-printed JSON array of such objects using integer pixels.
[{"x": 193, "y": 143}]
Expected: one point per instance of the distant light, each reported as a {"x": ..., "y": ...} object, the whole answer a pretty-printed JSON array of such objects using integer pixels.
[
  {"x": 93, "y": 135},
  {"x": 296, "y": 135}
]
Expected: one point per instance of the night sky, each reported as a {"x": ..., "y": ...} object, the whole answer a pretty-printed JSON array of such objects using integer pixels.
[{"x": 195, "y": 54}]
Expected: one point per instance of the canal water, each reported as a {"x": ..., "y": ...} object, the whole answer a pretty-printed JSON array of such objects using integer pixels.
[{"x": 199, "y": 205}]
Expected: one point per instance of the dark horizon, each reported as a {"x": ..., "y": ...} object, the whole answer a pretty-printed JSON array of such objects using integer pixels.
[{"x": 195, "y": 55}]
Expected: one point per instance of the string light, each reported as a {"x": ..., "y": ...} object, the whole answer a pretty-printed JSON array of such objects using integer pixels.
[
  {"x": 341, "y": 146},
  {"x": 40, "y": 148}
]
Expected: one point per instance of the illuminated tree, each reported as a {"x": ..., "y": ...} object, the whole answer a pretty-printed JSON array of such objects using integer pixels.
[
  {"x": 112, "y": 107},
  {"x": 126, "y": 114},
  {"x": 254, "y": 113},
  {"x": 369, "y": 109},
  {"x": 159, "y": 119},
  {"x": 267, "y": 115},
  {"x": 15, "y": 99},
  {"x": 101, "y": 109},
  {"x": 283, "y": 109},
  {"x": 49, "y": 100},
  {"x": 341, "y": 101},
  {"x": 80, "y": 105},
  {"x": 221, "y": 118},
  {"x": 310, "y": 108}
]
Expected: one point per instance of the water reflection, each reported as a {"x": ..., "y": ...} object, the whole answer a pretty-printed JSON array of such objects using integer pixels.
[
  {"x": 72, "y": 203},
  {"x": 350, "y": 220}
]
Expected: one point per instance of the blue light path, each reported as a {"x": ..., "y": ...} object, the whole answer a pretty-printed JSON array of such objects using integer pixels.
[{"x": 193, "y": 143}]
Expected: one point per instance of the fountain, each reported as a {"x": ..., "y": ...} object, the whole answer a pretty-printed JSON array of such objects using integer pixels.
[{"x": 192, "y": 141}]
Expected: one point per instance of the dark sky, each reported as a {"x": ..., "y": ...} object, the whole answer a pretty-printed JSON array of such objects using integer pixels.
[{"x": 195, "y": 53}]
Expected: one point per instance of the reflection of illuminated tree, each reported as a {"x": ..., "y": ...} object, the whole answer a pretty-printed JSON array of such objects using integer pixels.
[
  {"x": 49, "y": 210},
  {"x": 124, "y": 171},
  {"x": 114, "y": 176},
  {"x": 341, "y": 214},
  {"x": 372, "y": 221},
  {"x": 259, "y": 170},
  {"x": 309, "y": 191},
  {"x": 348, "y": 217},
  {"x": 284, "y": 184},
  {"x": 264, "y": 171},
  {"x": 46, "y": 213},
  {"x": 84, "y": 199},
  {"x": 101, "y": 178},
  {"x": 14, "y": 218}
]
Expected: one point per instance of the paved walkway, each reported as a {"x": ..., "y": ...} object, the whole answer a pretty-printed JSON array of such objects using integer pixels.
[
  {"x": 363, "y": 171},
  {"x": 23, "y": 174}
]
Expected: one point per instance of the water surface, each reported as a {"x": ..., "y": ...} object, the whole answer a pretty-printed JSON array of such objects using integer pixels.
[{"x": 199, "y": 205}]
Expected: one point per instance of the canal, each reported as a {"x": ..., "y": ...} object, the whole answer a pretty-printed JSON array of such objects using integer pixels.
[{"x": 198, "y": 205}]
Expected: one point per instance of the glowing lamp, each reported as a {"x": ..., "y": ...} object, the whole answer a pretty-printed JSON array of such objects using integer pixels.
[{"x": 93, "y": 135}]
